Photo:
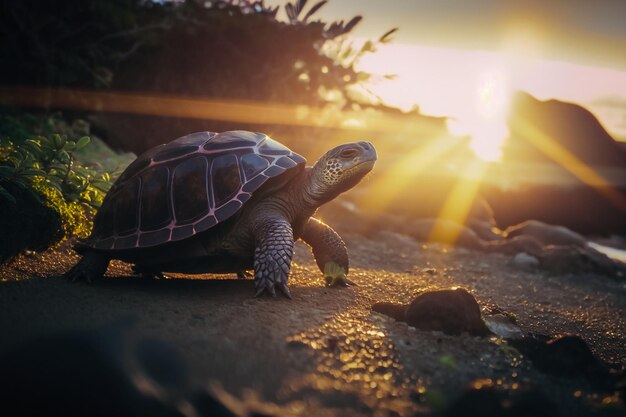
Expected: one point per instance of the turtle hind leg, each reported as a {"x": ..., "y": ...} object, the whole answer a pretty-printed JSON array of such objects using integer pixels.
[{"x": 91, "y": 267}]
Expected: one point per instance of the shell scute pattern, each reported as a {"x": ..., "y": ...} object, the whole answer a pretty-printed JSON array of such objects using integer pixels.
[
  {"x": 154, "y": 208},
  {"x": 175, "y": 191},
  {"x": 191, "y": 177},
  {"x": 226, "y": 178}
]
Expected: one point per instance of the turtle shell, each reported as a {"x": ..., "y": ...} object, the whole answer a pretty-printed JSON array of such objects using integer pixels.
[{"x": 175, "y": 191}]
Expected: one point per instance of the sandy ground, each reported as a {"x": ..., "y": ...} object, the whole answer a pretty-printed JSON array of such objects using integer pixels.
[{"x": 325, "y": 353}]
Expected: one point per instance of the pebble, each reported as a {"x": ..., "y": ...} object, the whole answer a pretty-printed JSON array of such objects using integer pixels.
[
  {"x": 525, "y": 261},
  {"x": 503, "y": 326},
  {"x": 393, "y": 310},
  {"x": 452, "y": 311}
]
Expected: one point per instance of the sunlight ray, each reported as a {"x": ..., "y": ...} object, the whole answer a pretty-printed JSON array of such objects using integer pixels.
[
  {"x": 459, "y": 203},
  {"x": 229, "y": 110},
  {"x": 399, "y": 176},
  {"x": 552, "y": 149}
]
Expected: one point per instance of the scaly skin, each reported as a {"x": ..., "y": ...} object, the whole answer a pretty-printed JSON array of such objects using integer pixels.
[
  {"x": 272, "y": 256},
  {"x": 329, "y": 250}
]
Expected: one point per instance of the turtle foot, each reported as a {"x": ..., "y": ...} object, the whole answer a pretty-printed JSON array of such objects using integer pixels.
[
  {"x": 335, "y": 275},
  {"x": 90, "y": 268},
  {"x": 270, "y": 288},
  {"x": 79, "y": 274},
  {"x": 339, "y": 281}
]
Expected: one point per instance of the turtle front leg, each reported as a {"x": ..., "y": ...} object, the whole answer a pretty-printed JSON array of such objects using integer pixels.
[
  {"x": 272, "y": 256},
  {"x": 330, "y": 252}
]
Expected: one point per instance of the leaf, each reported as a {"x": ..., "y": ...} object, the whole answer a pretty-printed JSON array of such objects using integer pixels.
[
  {"x": 346, "y": 54},
  {"x": 55, "y": 185},
  {"x": 34, "y": 147},
  {"x": 272, "y": 12},
  {"x": 33, "y": 172},
  {"x": 82, "y": 142},
  {"x": 385, "y": 38},
  {"x": 291, "y": 14},
  {"x": 59, "y": 141},
  {"x": 46, "y": 143},
  {"x": 352, "y": 23},
  {"x": 367, "y": 47},
  {"x": 6, "y": 172},
  {"x": 314, "y": 10},
  {"x": 20, "y": 184},
  {"x": 334, "y": 30},
  {"x": 7, "y": 195},
  {"x": 64, "y": 157},
  {"x": 299, "y": 6}
]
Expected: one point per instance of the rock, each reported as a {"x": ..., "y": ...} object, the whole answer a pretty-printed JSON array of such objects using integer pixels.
[
  {"x": 485, "y": 230},
  {"x": 567, "y": 355},
  {"x": 451, "y": 311},
  {"x": 503, "y": 326},
  {"x": 566, "y": 259},
  {"x": 443, "y": 231},
  {"x": 513, "y": 246},
  {"x": 525, "y": 261},
  {"x": 393, "y": 310},
  {"x": 546, "y": 234}
]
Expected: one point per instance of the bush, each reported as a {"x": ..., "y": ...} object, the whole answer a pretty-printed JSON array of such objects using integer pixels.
[{"x": 45, "y": 196}]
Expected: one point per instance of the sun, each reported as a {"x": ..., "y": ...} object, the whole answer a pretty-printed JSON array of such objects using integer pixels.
[{"x": 485, "y": 121}]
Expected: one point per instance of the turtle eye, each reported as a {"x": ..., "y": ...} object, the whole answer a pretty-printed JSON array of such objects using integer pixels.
[{"x": 348, "y": 153}]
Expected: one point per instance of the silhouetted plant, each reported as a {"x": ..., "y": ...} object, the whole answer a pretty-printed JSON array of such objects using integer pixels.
[
  {"x": 229, "y": 48},
  {"x": 67, "y": 42}
]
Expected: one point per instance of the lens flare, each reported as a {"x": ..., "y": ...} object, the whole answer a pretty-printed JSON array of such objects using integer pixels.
[{"x": 485, "y": 122}]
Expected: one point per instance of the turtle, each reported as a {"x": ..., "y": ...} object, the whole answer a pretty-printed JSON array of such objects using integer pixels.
[{"x": 225, "y": 202}]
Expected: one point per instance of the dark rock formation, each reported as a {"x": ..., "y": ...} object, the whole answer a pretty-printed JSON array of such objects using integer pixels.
[{"x": 453, "y": 311}]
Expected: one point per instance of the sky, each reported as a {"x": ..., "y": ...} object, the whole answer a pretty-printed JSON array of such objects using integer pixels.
[{"x": 464, "y": 58}]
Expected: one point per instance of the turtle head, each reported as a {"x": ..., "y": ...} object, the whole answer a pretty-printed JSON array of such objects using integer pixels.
[{"x": 340, "y": 169}]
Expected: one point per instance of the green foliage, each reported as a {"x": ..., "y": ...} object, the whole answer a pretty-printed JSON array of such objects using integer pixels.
[
  {"x": 43, "y": 171},
  {"x": 20, "y": 126}
]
